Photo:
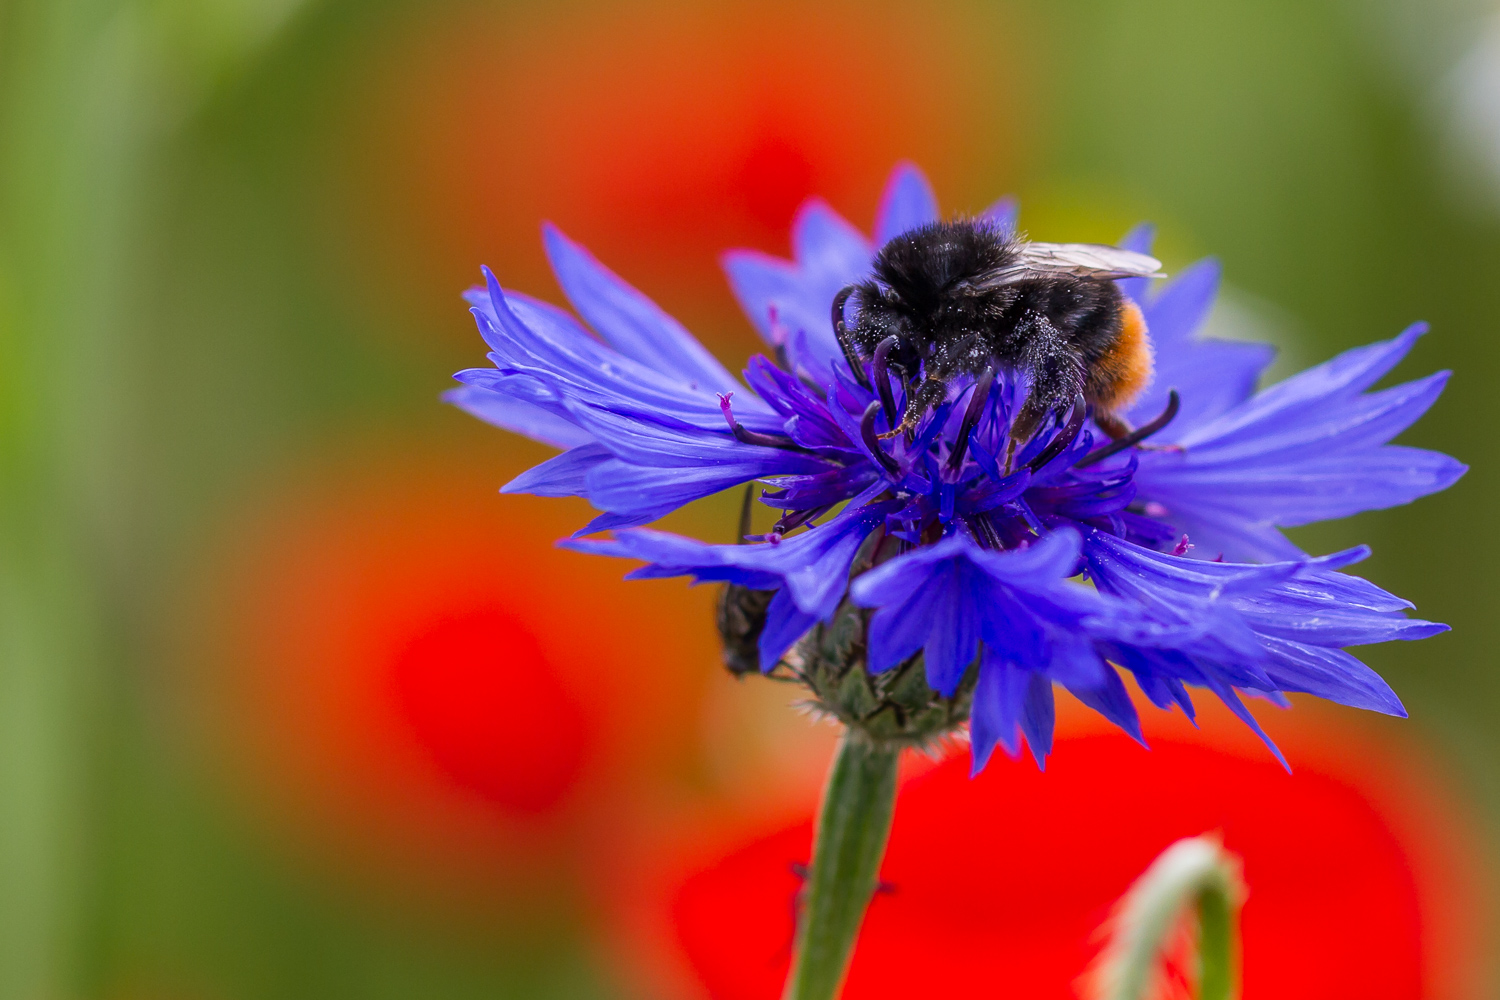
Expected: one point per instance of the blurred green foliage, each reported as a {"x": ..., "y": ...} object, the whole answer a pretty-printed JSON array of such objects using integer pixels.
[{"x": 171, "y": 330}]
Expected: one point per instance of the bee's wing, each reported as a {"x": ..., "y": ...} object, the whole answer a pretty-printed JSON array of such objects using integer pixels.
[{"x": 1075, "y": 260}]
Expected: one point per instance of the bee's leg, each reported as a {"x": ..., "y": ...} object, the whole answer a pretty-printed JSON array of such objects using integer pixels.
[
  {"x": 919, "y": 403},
  {"x": 1119, "y": 429},
  {"x": 1135, "y": 437},
  {"x": 1057, "y": 376},
  {"x": 1065, "y": 436},
  {"x": 841, "y": 331},
  {"x": 1022, "y": 427},
  {"x": 1111, "y": 423},
  {"x": 1029, "y": 421}
]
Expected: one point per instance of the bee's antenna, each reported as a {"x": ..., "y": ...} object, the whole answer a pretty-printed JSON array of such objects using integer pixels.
[
  {"x": 1134, "y": 437},
  {"x": 841, "y": 331}
]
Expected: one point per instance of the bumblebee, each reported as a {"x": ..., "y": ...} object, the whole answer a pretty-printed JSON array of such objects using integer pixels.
[{"x": 968, "y": 298}]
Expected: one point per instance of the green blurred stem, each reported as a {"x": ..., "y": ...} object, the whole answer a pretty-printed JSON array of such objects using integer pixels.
[
  {"x": 1191, "y": 873},
  {"x": 1217, "y": 958},
  {"x": 851, "y": 836}
]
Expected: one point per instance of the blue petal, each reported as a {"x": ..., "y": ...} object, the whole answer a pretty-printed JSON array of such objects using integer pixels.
[
  {"x": 812, "y": 567},
  {"x": 632, "y": 324},
  {"x": 1228, "y": 697},
  {"x": 996, "y": 713},
  {"x": 1299, "y": 619},
  {"x": 1228, "y": 535},
  {"x": 1209, "y": 375},
  {"x": 545, "y": 357},
  {"x": 1332, "y": 674},
  {"x": 521, "y": 386},
  {"x": 566, "y": 475},
  {"x": 669, "y": 555},
  {"x": 517, "y": 415},
  {"x": 1003, "y": 214},
  {"x": 900, "y": 628},
  {"x": 1051, "y": 558},
  {"x": 768, "y": 288},
  {"x": 789, "y": 302},
  {"x": 1111, "y": 700},
  {"x": 897, "y": 579},
  {"x": 789, "y": 308},
  {"x": 952, "y": 633},
  {"x": 948, "y": 597},
  {"x": 1327, "y": 622},
  {"x": 829, "y": 249},
  {"x": 1038, "y": 716},
  {"x": 908, "y": 202},
  {"x": 785, "y": 624},
  {"x": 666, "y": 443},
  {"x": 1180, "y": 308},
  {"x": 1349, "y": 425},
  {"x": 815, "y": 563},
  {"x": 653, "y": 492},
  {"x": 1337, "y": 380},
  {"x": 1307, "y": 449},
  {"x": 1138, "y": 239},
  {"x": 609, "y": 520}
]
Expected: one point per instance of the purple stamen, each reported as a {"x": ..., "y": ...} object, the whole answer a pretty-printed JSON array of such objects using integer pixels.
[
  {"x": 796, "y": 519},
  {"x": 984, "y": 531},
  {"x": 1064, "y": 437},
  {"x": 1134, "y": 437},
  {"x": 772, "y": 537},
  {"x": 1182, "y": 546},
  {"x": 742, "y": 433},
  {"x": 872, "y": 442},
  {"x": 972, "y": 414},
  {"x": 883, "y": 379}
]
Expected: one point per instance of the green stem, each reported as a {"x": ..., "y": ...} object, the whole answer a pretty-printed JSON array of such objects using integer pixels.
[
  {"x": 852, "y": 831},
  {"x": 1194, "y": 872},
  {"x": 1218, "y": 959}
]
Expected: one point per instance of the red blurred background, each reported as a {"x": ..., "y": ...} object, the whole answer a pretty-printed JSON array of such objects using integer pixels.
[
  {"x": 388, "y": 682},
  {"x": 658, "y": 136}
]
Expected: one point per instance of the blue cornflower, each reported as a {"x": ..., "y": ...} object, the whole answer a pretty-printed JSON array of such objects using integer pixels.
[{"x": 937, "y": 555}]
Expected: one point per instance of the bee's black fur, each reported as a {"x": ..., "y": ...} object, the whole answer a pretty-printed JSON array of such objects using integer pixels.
[{"x": 1052, "y": 328}]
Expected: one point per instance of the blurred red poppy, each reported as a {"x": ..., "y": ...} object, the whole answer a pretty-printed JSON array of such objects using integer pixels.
[
  {"x": 657, "y": 136},
  {"x": 1000, "y": 885},
  {"x": 418, "y": 677}
]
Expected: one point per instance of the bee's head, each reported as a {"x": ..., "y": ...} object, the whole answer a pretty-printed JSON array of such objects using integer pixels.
[{"x": 922, "y": 266}]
